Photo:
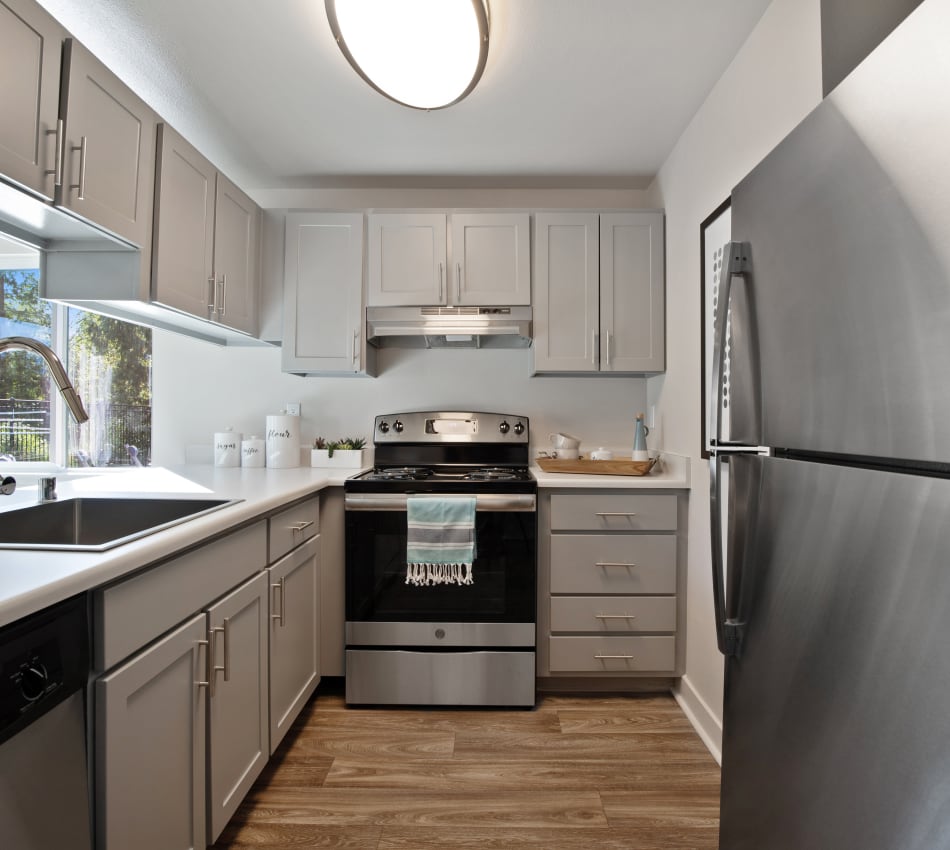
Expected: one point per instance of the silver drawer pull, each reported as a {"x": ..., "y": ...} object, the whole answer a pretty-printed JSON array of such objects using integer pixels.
[
  {"x": 615, "y": 616},
  {"x": 280, "y": 587},
  {"x": 602, "y": 657},
  {"x": 615, "y": 513},
  {"x": 300, "y": 526},
  {"x": 208, "y": 663},
  {"x": 613, "y": 564}
]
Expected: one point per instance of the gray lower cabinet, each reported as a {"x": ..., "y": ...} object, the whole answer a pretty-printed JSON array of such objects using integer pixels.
[
  {"x": 610, "y": 577},
  {"x": 238, "y": 720},
  {"x": 150, "y": 746},
  {"x": 30, "y": 51},
  {"x": 294, "y": 636}
]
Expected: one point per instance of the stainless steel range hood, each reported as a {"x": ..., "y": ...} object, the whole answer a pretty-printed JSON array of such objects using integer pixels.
[{"x": 449, "y": 327}]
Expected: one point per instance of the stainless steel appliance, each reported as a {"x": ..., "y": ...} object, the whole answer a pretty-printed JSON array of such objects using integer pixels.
[
  {"x": 44, "y": 788},
  {"x": 445, "y": 644},
  {"x": 834, "y": 614}
]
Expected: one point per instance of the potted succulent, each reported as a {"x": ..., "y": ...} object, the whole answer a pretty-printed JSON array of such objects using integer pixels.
[
  {"x": 320, "y": 453},
  {"x": 347, "y": 452}
]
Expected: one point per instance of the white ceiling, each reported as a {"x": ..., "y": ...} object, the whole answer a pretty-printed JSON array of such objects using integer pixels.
[{"x": 576, "y": 93}]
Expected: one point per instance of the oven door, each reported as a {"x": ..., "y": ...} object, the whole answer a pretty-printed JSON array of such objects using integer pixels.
[{"x": 497, "y": 609}]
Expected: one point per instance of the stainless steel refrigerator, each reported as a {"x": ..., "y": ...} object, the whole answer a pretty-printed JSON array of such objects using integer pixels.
[{"x": 834, "y": 613}]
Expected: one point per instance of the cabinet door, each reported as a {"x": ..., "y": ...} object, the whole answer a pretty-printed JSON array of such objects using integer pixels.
[
  {"x": 109, "y": 164},
  {"x": 566, "y": 264},
  {"x": 491, "y": 264},
  {"x": 294, "y": 650},
  {"x": 407, "y": 259},
  {"x": 30, "y": 51},
  {"x": 323, "y": 293},
  {"x": 632, "y": 292},
  {"x": 182, "y": 250},
  {"x": 237, "y": 233},
  {"x": 150, "y": 746},
  {"x": 238, "y": 728}
]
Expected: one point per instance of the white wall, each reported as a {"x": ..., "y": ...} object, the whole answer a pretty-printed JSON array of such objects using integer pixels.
[{"x": 774, "y": 81}]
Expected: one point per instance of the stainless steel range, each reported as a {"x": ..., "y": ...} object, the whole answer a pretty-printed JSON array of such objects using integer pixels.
[{"x": 442, "y": 633}]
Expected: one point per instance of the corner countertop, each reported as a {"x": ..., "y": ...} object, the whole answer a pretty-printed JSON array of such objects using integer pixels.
[
  {"x": 32, "y": 579},
  {"x": 671, "y": 473}
]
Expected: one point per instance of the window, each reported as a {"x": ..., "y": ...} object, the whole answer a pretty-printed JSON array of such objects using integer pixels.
[{"x": 109, "y": 363}]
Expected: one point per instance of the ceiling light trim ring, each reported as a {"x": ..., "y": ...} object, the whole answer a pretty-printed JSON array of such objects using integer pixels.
[{"x": 482, "y": 17}]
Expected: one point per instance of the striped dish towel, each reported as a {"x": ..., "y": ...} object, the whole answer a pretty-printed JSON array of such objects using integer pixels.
[{"x": 440, "y": 540}]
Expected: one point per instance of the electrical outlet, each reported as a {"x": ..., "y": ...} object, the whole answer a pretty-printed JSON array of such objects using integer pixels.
[{"x": 292, "y": 408}]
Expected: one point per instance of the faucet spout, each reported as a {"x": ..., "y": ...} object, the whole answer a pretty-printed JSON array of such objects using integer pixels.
[{"x": 70, "y": 396}]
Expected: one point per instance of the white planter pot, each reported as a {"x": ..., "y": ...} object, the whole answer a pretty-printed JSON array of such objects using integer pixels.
[
  {"x": 347, "y": 459},
  {"x": 320, "y": 457}
]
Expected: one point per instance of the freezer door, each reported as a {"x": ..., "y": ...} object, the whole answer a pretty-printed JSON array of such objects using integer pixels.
[
  {"x": 849, "y": 289},
  {"x": 836, "y": 726}
]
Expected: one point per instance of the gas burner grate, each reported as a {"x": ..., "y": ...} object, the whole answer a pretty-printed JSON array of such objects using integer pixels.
[
  {"x": 402, "y": 473},
  {"x": 494, "y": 473}
]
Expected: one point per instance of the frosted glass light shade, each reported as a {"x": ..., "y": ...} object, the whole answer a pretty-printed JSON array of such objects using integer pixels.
[{"x": 427, "y": 54}]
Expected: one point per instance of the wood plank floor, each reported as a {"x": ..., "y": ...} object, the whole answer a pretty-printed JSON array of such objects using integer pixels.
[{"x": 577, "y": 773}]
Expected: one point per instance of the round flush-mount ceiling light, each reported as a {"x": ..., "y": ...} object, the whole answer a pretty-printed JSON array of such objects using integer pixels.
[{"x": 426, "y": 54}]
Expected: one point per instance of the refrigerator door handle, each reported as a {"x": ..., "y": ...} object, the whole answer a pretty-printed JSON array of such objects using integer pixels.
[{"x": 735, "y": 262}]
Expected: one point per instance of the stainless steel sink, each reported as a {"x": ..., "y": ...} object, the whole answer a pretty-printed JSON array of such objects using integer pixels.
[{"x": 96, "y": 524}]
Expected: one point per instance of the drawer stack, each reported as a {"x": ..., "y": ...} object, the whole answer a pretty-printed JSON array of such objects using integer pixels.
[{"x": 613, "y": 584}]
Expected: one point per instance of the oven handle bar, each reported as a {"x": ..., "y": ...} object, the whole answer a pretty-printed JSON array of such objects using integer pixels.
[{"x": 494, "y": 502}]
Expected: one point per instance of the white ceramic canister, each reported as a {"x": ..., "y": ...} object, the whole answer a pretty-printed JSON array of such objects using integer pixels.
[
  {"x": 282, "y": 441},
  {"x": 227, "y": 448},
  {"x": 252, "y": 452}
]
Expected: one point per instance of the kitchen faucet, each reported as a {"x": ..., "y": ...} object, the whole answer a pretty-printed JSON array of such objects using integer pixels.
[{"x": 70, "y": 396}]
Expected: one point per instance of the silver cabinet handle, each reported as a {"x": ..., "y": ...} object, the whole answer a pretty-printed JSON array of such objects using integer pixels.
[
  {"x": 615, "y": 513},
  {"x": 208, "y": 662},
  {"x": 300, "y": 526},
  {"x": 223, "y": 283},
  {"x": 458, "y": 283},
  {"x": 593, "y": 346},
  {"x": 607, "y": 351},
  {"x": 81, "y": 185},
  {"x": 600, "y": 657},
  {"x": 280, "y": 586},
  {"x": 615, "y": 616},
  {"x": 441, "y": 283},
  {"x": 211, "y": 296},
  {"x": 226, "y": 631},
  {"x": 356, "y": 346},
  {"x": 57, "y": 169},
  {"x": 613, "y": 564}
]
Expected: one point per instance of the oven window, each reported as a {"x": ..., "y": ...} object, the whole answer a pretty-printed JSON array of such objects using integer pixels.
[{"x": 504, "y": 572}]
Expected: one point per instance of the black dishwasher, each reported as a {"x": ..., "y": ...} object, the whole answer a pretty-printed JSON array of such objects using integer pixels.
[{"x": 44, "y": 788}]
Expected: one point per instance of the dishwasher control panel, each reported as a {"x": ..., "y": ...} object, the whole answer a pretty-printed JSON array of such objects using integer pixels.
[{"x": 44, "y": 658}]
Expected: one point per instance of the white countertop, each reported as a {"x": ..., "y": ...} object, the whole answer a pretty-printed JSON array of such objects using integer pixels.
[{"x": 32, "y": 579}]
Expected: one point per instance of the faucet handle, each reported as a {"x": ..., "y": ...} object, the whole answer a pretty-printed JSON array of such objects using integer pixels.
[
  {"x": 7, "y": 485},
  {"x": 46, "y": 489}
]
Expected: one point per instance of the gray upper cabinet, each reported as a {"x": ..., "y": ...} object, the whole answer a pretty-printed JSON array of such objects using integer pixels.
[
  {"x": 206, "y": 238},
  {"x": 323, "y": 295},
  {"x": 109, "y": 154},
  {"x": 407, "y": 259},
  {"x": 413, "y": 263},
  {"x": 599, "y": 293},
  {"x": 30, "y": 52}
]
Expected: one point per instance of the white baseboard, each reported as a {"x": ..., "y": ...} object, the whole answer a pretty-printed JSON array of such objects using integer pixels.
[{"x": 707, "y": 725}]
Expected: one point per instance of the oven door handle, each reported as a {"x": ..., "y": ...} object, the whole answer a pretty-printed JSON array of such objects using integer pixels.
[{"x": 495, "y": 502}]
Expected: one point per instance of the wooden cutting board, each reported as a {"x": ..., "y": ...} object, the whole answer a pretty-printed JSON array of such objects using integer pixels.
[{"x": 582, "y": 466}]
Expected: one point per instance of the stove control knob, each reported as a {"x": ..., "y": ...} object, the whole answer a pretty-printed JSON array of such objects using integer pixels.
[
  {"x": 397, "y": 426},
  {"x": 519, "y": 428},
  {"x": 504, "y": 427},
  {"x": 384, "y": 427}
]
